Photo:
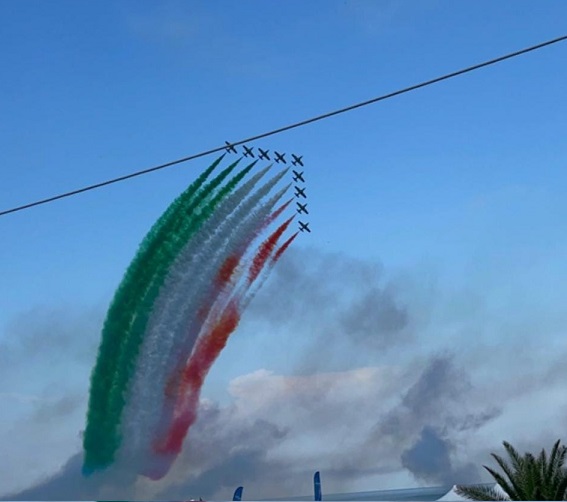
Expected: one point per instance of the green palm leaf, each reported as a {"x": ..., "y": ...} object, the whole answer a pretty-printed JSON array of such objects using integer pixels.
[
  {"x": 512, "y": 492},
  {"x": 479, "y": 493},
  {"x": 514, "y": 487},
  {"x": 517, "y": 459},
  {"x": 525, "y": 477},
  {"x": 531, "y": 479},
  {"x": 556, "y": 459}
]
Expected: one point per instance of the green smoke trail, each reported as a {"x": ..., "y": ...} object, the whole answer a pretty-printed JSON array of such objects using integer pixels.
[
  {"x": 127, "y": 299},
  {"x": 158, "y": 251}
]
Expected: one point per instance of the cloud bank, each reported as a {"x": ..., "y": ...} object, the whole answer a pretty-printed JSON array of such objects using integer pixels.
[{"x": 364, "y": 399}]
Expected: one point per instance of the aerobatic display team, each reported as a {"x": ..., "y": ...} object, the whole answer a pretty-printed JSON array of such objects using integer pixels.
[{"x": 180, "y": 299}]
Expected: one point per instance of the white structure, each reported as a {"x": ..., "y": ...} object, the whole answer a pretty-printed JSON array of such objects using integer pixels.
[{"x": 452, "y": 496}]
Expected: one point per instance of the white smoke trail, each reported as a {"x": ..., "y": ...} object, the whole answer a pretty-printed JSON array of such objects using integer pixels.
[
  {"x": 248, "y": 291},
  {"x": 236, "y": 243},
  {"x": 181, "y": 410},
  {"x": 182, "y": 399},
  {"x": 179, "y": 299},
  {"x": 137, "y": 411},
  {"x": 220, "y": 299},
  {"x": 203, "y": 291}
]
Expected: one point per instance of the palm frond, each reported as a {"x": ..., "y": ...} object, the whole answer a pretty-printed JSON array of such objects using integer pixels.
[
  {"x": 556, "y": 459},
  {"x": 554, "y": 462},
  {"x": 530, "y": 479},
  {"x": 525, "y": 477},
  {"x": 553, "y": 474},
  {"x": 560, "y": 492},
  {"x": 514, "y": 485},
  {"x": 479, "y": 493},
  {"x": 514, "y": 455}
]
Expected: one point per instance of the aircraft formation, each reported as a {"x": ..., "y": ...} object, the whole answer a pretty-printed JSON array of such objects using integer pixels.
[
  {"x": 300, "y": 194},
  {"x": 279, "y": 158}
]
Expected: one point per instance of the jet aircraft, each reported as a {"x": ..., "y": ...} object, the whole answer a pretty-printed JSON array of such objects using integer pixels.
[
  {"x": 304, "y": 227},
  {"x": 230, "y": 148},
  {"x": 280, "y": 157},
  {"x": 264, "y": 154},
  {"x": 248, "y": 151},
  {"x": 302, "y": 208},
  {"x": 298, "y": 176},
  {"x": 297, "y": 160},
  {"x": 300, "y": 192}
]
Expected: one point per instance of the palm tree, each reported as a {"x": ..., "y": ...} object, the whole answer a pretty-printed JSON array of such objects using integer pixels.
[{"x": 525, "y": 478}]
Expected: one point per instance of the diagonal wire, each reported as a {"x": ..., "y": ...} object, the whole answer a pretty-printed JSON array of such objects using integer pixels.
[{"x": 285, "y": 128}]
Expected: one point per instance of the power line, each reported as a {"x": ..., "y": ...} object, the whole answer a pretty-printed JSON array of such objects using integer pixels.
[{"x": 283, "y": 129}]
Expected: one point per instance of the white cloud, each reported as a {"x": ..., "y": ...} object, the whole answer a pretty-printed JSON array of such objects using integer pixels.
[{"x": 355, "y": 421}]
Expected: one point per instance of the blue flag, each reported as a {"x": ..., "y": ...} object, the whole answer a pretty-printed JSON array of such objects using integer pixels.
[
  {"x": 238, "y": 493},
  {"x": 317, "y": 486}
]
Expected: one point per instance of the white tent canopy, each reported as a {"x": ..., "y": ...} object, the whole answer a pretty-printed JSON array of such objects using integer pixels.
[{"x": 452, "y": 496}]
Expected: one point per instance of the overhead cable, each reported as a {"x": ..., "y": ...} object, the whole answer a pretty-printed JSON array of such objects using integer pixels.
[{"x": 283, "y": 129}]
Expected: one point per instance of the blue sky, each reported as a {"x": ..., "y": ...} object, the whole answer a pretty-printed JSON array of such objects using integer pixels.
[{"x": 454, "y": 193}]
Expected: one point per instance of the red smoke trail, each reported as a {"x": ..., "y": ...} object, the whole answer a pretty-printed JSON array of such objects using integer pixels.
[
  {"x": 276, "y": 213},
  {"x": 186, "y": 386},
  {"x": 226, "y": 271},
  {"x": 270, "y": 219},
  {"x": 209, "y": 347},
  {"x": 183, "y": 391},
  {"x": 265, "y": 250},
  {"x": 283, "y": 247},
  {"x": 276, "y": 256},
  {"x": 207, "y": 350},
  {"x": 229, "y": 266},
  {"x": 222, "y": 280}
]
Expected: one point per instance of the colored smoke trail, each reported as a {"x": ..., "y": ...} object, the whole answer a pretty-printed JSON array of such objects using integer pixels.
[
  {"x": 172, "y": 315},
  {"x": 207, "y": 350},
  {"x": 222, "y": 287},
  {"x": 134, "y": 337},
  {"x": 231, "y": 269},
  {"x": 211, "y": 295},
  {"x": 278, "y": 254},
  {"x": 225, "y": 273},
  {"x": 277, "y": 213},
  {"x": 122, "y": 311},
  {"x": 124, "y": 327},
  {"x": 265, "y": 250},
  {"x": 199, "y": 290},
  {"x": 281, "y": 250},
  {"x": 167, "y": 446},
  {"x": 189, "y": 288}
]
